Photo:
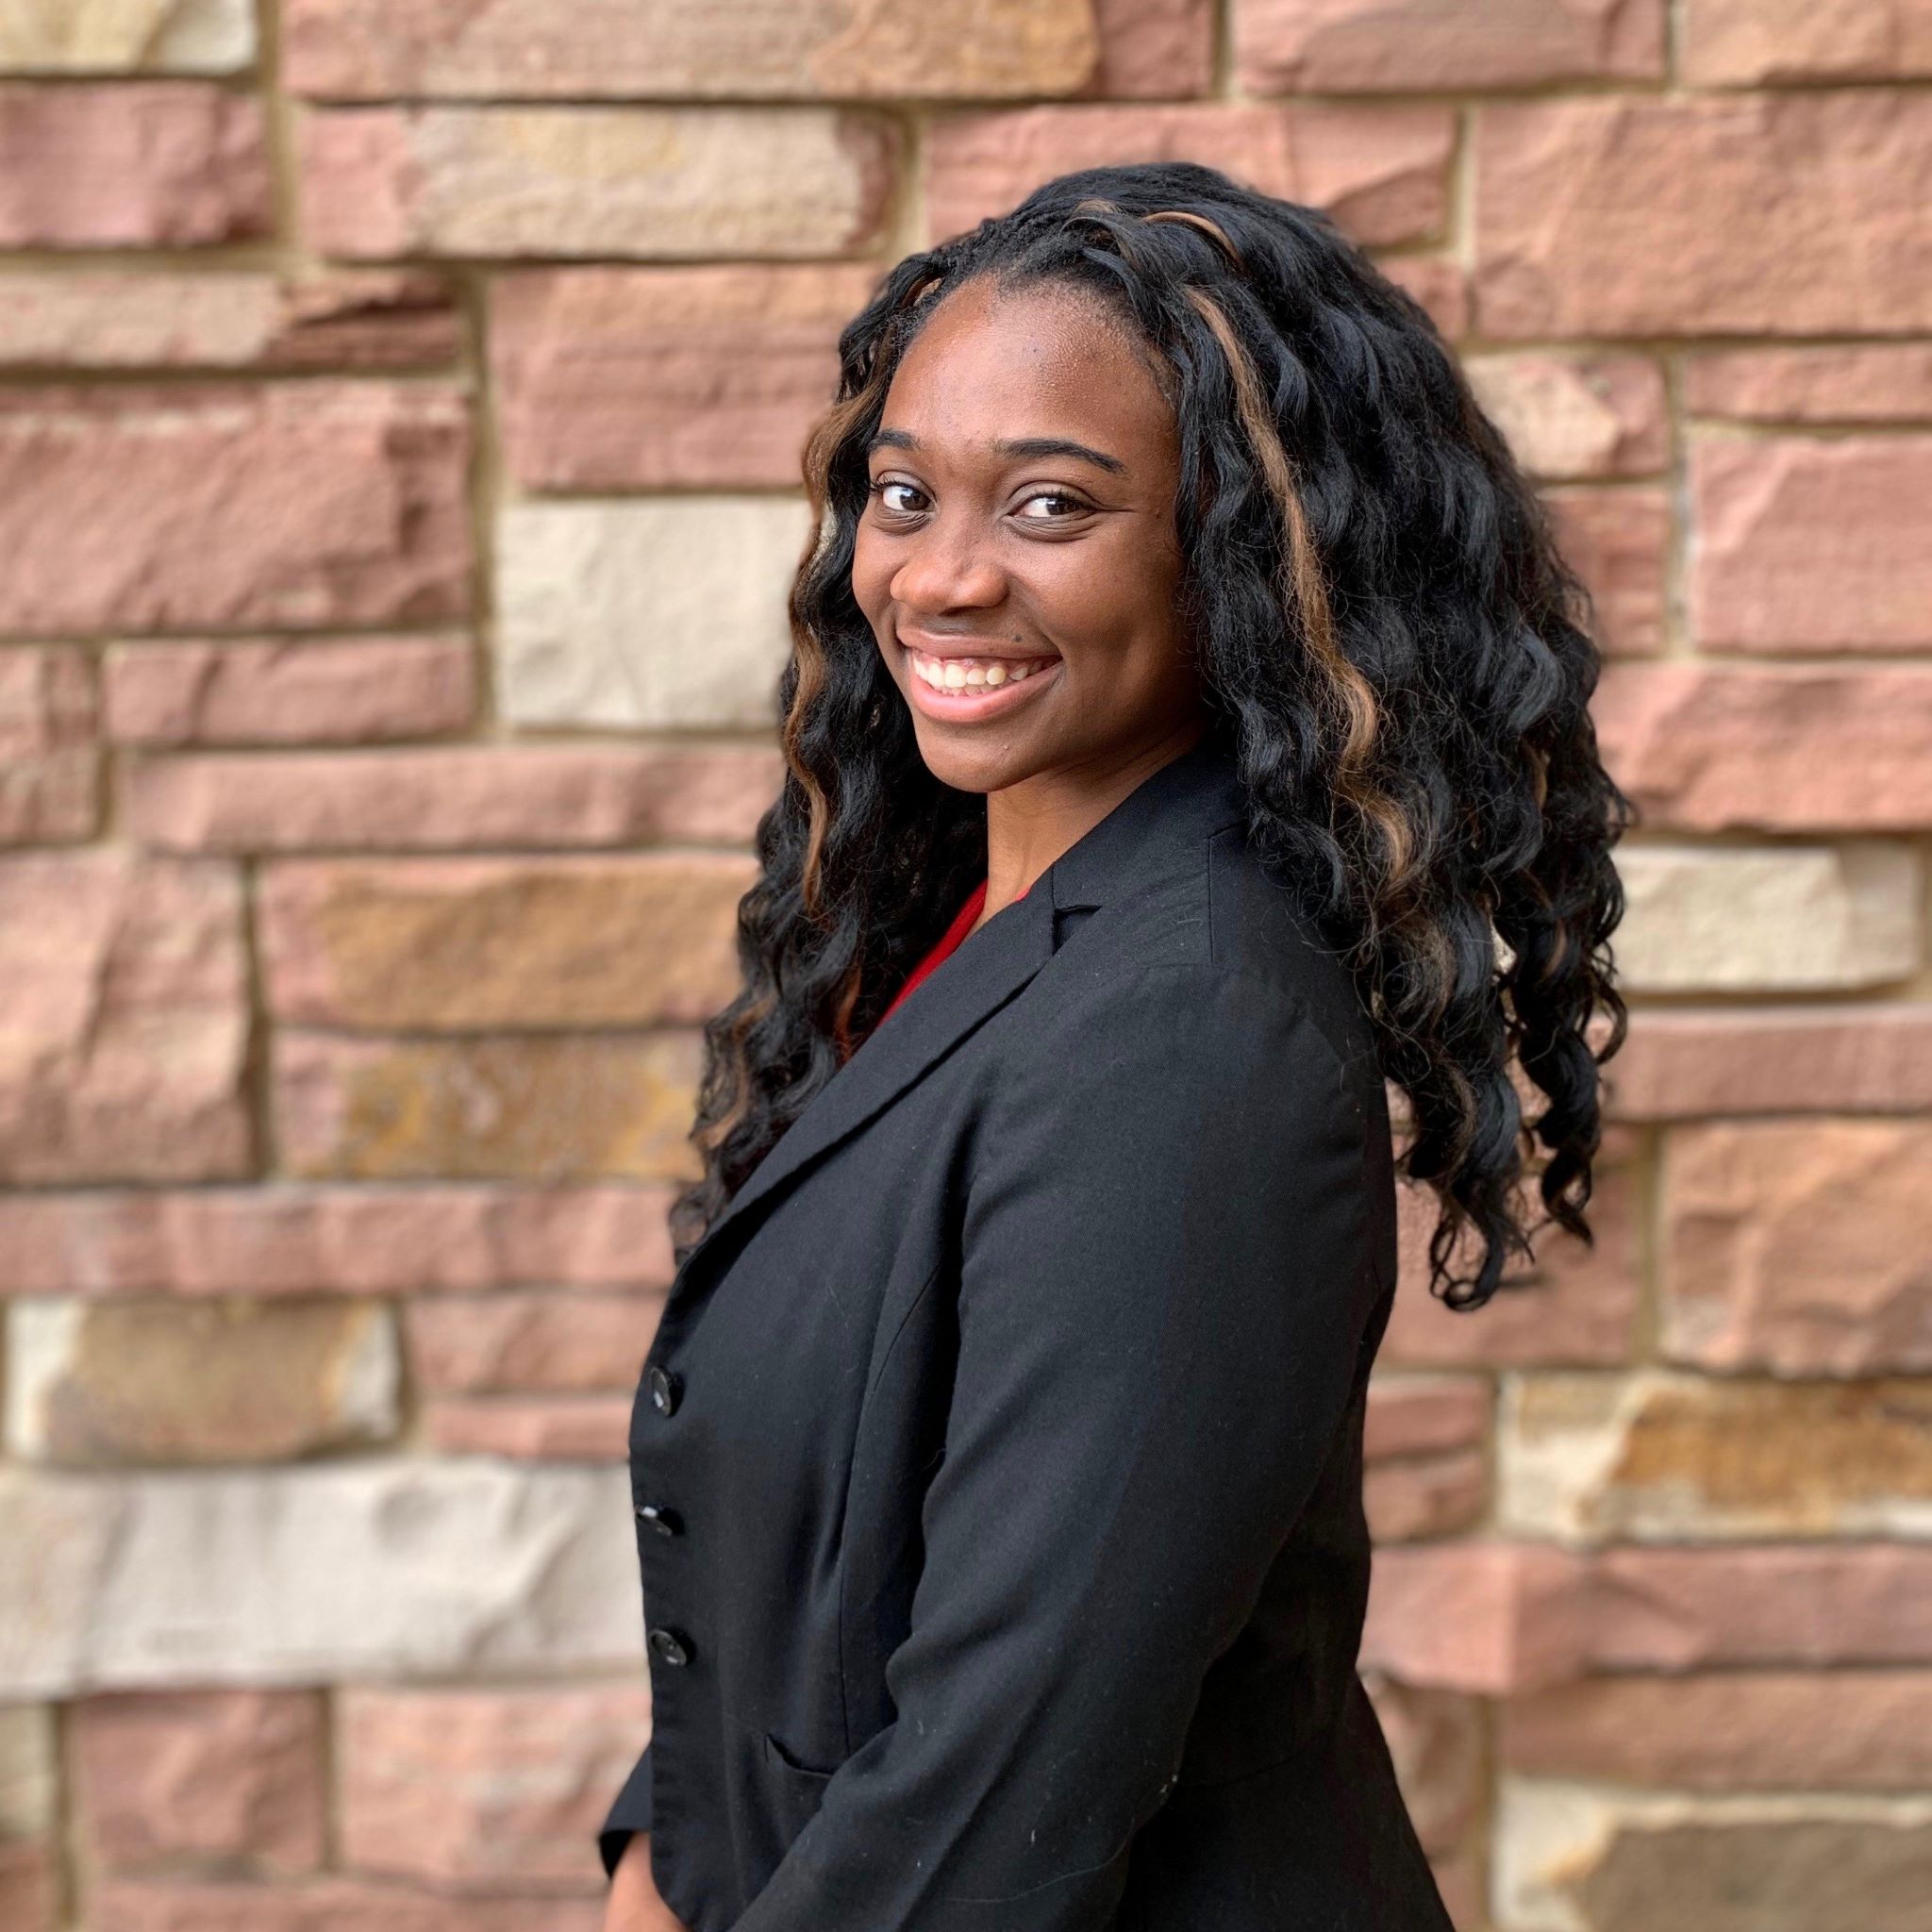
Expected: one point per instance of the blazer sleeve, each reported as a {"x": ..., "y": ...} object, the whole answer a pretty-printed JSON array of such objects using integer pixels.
[
  {"x": 1165, "y": 1279},
  {"x": 630, "y": 1812}
]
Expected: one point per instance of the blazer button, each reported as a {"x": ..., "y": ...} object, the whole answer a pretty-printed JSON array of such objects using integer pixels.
[
  {"x": 665, "y": 1521},
  {"x": 667, "y": 1647},
  {"x": 665, "y": 1389}
]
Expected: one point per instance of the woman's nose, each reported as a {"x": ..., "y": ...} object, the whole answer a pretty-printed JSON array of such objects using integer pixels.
[{"x": 948, "y": 566}]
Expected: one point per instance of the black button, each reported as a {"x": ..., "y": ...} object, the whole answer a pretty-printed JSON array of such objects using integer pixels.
[
  {"x": 667, "y": 1647},
  {"x": 665, "y": 1388},
  {"x": 665, "y": 1521}
]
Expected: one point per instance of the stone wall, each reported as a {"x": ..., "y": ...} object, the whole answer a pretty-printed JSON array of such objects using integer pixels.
[{"x": 399, "y": 415}]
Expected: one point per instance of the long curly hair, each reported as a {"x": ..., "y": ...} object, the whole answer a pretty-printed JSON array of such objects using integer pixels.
[{"x": 1385, "y": 629}]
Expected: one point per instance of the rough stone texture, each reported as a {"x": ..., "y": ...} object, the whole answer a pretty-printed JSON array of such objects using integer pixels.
[
  {"x": 1733, "y": 1730},
  {"x": 806, "y": 50},
  {"x": 155, "y": 1380},
  {"x": 1573, "y": 1859},
  {"x": 323, "y": 690},
  {"x": 656, "y": 615},
  {"x": 161, "y": 164},
  {"x": 1426, "y": 1473},
  {"x": 1382, "y": 172},
  {"x": 1657, "y": 1455},
  {"x": 549, "y": 1339},
  {"x": 326, "y": 1904},
  {"x": 1745, "y": 42},
  {"x": 1774, "y": 748},
  {"x": 49, "y": 761},
  {"x": 1160, "y": 49},
  {"x": 544, "y": 1429},
  {"x": 1419, "y": 1496},
  {"x": 1373, "y": 46},
  {"x": 706, "y": 376},
  {"x": 128, "y": 37},
  {"x": 226, "y": 319},
  {"x": 1439, "y": 285},
  {"x": 668, "y": 182},
  {"x": 1570, "y": 416},
  {"x": 1811, "y": 545},
  {"x": 468, "y": 1790},
  {"x": 1436, "y": 1738},
  {"x": 287, "y": 1239},
  {"x": 1883, "y": 383},
  {"x": 313, "y": 504},
  {"x": 1636, "y": 217},
  {"x": 369, "y": 1568},
  {"x": 1618, "y": 541},
  {"x": 1741, "y": 919},
  {"x": 1801, "y": 1248},
  {"x": 1872, "y": 1058},
  {"x": 1576, "y": 1305},
  {"x": 509, "y": 798},
  {"x": 573, "y": 1107},
  {"x": 124, "y": 1050},
  {"x": 458, "y": 945},
  {"x": 229, "y": 1775}
]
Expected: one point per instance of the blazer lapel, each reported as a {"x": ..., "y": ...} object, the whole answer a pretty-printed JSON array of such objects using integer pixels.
[{"x": 1161, "y": 821}]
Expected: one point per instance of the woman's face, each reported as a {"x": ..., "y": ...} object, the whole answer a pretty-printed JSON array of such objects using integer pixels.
[{"x": 1018, "y": 548}]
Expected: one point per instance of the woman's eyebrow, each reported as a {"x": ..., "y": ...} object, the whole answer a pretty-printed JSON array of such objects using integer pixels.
[{"x": 1025, "y": 446}]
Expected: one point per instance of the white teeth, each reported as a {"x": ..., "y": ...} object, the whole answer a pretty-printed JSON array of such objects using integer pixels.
[{"x": 952, "y": 674}]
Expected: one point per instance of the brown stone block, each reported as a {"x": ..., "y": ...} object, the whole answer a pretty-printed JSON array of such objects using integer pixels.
[
  {"x": 530, "y": 1428},
  {"x": 552, "y": 1340},
  {"x": 1618, "y": 542},
  {"x": 1886, "y": 382},
  {"x": 572, "y": 1107},
  {"x": 323, "y": 1905},
  {"x": 49, "y": 758},
  {"x": 1768, "y": 43},
  {"x": 1436, "y": 1738}
]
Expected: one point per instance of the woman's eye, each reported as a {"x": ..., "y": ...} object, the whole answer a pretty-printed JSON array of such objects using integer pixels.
[
  {"x": 886, "y": 483},
  {"x": 1074, "y": 506}
]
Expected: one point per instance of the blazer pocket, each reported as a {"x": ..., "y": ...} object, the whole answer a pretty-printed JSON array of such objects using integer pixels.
[{"x": 796, "y": 1787}]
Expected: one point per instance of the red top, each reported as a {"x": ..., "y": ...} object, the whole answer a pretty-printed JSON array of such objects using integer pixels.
[{"x": 949, "y": 940}]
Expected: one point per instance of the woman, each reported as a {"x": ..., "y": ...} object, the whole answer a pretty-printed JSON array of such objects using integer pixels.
[{"x": 997, "y": 1463}]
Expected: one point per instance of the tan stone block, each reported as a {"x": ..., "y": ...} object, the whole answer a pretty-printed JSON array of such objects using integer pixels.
[
  {"x": 546, "y": 1339},
  {"x": 1811, "y": 545},
  {"x": 1618, "y": 542},
  {"x": 674, "y": 183},
  {"x": 49, "y": 758},
  {"x": 1381, "y": 172},
  {"x": 157, "y": 1380},
  {"x": 1570, "y": 1859},
  {"x": 286, "y": 1239},
  {"x": 1639, "y": 216},
  {"x": 316, "y": 1572},
  {"x": 454, "y": 798},
  {"x": 662, "y": 614},
  {"x": 28, "y": 1773},
  {"x": 323, "y": 690},
  {"x": 1864, "y": 1057},
  {"x": 1884, "y": 382},
  {"x": 324, "y": 1904},
  {"x": 172, "y": 507},
  {"x": 1799, "y": 1247},
  {"x": 1726, "y": 918},
  {"x": 475, "y": 1790},
  {"x": 226, "y": 319},
  {"x": 1569, "y": 416},
  {"x": 125, "y": 1052},
  {"x": 1373, "y": 46},
  {"x": 1572, "y": 1305},
  {"x": 157, "y": 164},
  {"x": 531, "y": 1428},
  {"x": 572, "y": 1107},
  {"x": 1780, "y": 748},
  {"x": 201, "y": 1774},
  {"x": 1661, "y": 1455},
  {"x": 1154, "y": 49},
  {"x": 1754, "y": 43},
  {"x": 1436, "y": 1738},
  {"x": 709, "y": 377},
  {"x": 808, "y": 50},
  {"x": 461, "y": 945},
  {"x": 1732, "y": 1730},
  {"x": 128, "y": 37}
]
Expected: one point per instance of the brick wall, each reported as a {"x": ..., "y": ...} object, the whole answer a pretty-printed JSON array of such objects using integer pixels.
[{"x": 398, "y": 482}]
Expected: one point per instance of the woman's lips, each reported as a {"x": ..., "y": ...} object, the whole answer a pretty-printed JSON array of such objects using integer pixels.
[{"x": 963, "y": 690}]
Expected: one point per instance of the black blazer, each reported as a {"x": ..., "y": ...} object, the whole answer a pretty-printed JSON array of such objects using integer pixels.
[{"x": 997, "y": 1463}]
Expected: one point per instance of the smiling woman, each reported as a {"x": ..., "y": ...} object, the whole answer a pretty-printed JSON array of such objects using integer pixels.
[{"x": 1187, "y": 738}]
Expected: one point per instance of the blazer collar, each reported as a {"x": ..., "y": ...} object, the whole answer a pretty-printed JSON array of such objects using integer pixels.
[{"x": 1159, "y": 826}]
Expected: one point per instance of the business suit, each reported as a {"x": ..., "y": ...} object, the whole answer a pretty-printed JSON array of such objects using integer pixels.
[{"x": 998, "y": 1457}]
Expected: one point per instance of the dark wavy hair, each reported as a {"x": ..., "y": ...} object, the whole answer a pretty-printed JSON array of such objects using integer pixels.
[{"x": 1385, "y": 630}]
